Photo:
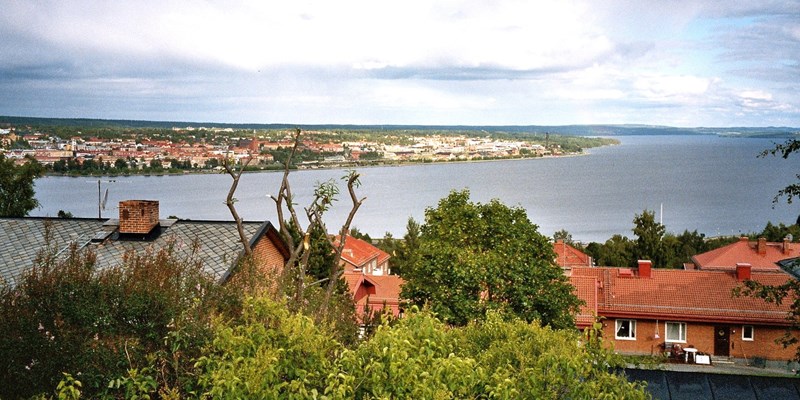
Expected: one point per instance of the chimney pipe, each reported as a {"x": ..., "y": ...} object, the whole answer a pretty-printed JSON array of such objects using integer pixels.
[
  {"x": 786, "y": 242},
  {"x": 762, "y": 246},
  {"x": 645, "y": 268},
  {"x": 743, "y": 271}
]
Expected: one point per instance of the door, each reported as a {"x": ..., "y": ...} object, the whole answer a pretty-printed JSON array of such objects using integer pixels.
[{"x": 722, "y": 341}]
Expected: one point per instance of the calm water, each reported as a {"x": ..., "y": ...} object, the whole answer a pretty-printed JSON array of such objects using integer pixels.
[{"x": 710, "y": 184}]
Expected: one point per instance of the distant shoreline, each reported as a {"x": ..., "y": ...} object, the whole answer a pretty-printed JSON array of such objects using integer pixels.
[{"x": 322, "y": 167}]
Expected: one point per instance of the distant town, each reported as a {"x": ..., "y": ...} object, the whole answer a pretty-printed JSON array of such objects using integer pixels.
[{"x": 114, "y": 150}]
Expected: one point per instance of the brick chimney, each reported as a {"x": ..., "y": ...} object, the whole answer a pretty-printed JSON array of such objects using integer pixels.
[
  {"x": 786, "y": 248},
  {"x": 645, "y": 268},
  {"x": 138, "y": 216},
  {"x": 762, "y": 246},
  {"x": 743, "y": 271}
]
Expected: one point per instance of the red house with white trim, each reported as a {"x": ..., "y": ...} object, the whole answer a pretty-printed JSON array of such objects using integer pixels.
[
  {"x": 367, "y": 273},
  {"x": 643, "y": 309}
]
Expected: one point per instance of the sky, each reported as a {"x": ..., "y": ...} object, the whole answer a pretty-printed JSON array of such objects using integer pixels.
[{"x": 495, "y": 62}]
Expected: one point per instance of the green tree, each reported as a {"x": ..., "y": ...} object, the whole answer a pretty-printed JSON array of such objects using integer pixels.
[
  {"x": 17, "y": 195},
  {"x": 64, "y": 214},
  {"x": 615, "y": 252},
  {"x": 321, "y": 253},
  {"x": 356, "y": 233},
  {"x": 89, "y": 165},
  {"x": 563, "y": 235},
  {"x": 403, "y": 251},
  {"x": 777, "y": 233},
  {"x": 476, "y": 257},
  {"x": 680, "y": 249},
  {"x": 649, "y": 236}
]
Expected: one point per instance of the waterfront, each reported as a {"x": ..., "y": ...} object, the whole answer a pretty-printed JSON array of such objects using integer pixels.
[{"x": 712, "y": 184}]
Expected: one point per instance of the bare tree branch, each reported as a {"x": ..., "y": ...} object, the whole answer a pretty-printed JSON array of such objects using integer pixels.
[
  {"x": 352, "y": 183},
  {"x": 284, "y": 203},
  {"x": 230, "y": 169},
  {"x": 324, "y": 196}
]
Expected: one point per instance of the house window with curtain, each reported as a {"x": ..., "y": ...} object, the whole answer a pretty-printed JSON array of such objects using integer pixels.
[
  {"x": 625, "y": 329},
  {"x": 675, "y": 332}
]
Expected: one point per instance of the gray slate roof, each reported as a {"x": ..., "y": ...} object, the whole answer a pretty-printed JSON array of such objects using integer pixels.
[{"x": 22, "y": 239}]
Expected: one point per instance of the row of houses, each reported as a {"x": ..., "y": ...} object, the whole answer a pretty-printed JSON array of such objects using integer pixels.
[
  {"x": 648, "y": 311},
  {"x": 640, "y": 310}
]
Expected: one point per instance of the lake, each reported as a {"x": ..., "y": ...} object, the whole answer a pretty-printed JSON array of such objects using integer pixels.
[{"x": 715, "y": 185}]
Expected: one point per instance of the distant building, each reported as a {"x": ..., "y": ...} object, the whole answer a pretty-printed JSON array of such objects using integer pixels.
[
  {"x": 763, "y": 256},
  {"x": 568, "y": 256}
]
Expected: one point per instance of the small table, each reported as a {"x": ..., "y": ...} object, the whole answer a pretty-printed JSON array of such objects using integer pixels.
[{"x": 689, "y": 350}]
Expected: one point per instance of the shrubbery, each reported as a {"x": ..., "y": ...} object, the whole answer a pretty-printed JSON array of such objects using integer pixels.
[
  {"x": 158, "y": 327},
  {"x": 66, "y": 316},
  {"x": 274, "y": 354}
]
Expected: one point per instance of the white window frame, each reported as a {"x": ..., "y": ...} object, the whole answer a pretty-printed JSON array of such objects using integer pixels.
[
  {"x": 631, "y": 327},
  {"x": 752, "y": 333},
  {"x": 682, "y": 328}
]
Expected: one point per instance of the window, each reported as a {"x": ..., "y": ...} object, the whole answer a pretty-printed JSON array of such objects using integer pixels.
[
  {"x": 676, "y": 332},
  {"x": 626, "y": 329},
  {"x": 747, "y": 332}
]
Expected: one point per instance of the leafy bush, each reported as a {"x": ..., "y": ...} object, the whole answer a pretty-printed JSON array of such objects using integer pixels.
[
  {"x": 269, "y": 353},
  {"x": 272, "y": 353},
  {"x": 68, "y": 316}
]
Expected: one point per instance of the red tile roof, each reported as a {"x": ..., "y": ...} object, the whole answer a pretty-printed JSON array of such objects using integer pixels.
[
  {"x": 379, "y": 291},
  {"x": 568, "y": 256},
  {"x": 745, "y": 251},
  {"x": 586, "y": 289},
  {"x": 676, "y": 295},
  {"x": 359, "y": 253}
]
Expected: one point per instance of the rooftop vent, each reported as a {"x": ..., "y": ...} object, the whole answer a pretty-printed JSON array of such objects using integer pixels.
[{"x": 625, "y": 273}]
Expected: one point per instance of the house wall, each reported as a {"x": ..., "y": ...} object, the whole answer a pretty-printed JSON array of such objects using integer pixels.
[
  {"x": 267, "y": 257},
  {"x": 701, "y": 336},
  {"x": 268, "y": 265}
]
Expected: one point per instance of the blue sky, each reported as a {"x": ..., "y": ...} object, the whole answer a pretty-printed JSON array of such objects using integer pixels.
[{"x": 501, "y": 62}]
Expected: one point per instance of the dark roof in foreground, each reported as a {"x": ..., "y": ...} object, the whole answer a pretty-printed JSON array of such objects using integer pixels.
[
  {"x": 672, "y": 385},
  {"x": 22, "y": 239}
]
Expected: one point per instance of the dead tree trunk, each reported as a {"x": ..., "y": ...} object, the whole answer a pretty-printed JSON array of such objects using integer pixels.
[
  {"x": 230, "y": 201},
  {"x": 324, "y": 196}
]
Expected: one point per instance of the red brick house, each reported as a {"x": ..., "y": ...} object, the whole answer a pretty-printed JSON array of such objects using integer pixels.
[
  {"x": 642, "y": 309},
  {"x": 366, "y": 271},
  {"x": 359, "y": 255},
  {"x": 568, "y": 256},
  {"x": 377, "y": 293},
  {"x": 763, "y": 256}
]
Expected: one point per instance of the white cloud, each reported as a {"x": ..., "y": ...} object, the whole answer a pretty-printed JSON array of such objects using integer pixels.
[
  {"x": 756, "y": 95},
  {"x": 505, "y": 61},
  {"x": 661, "y": 87}
]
